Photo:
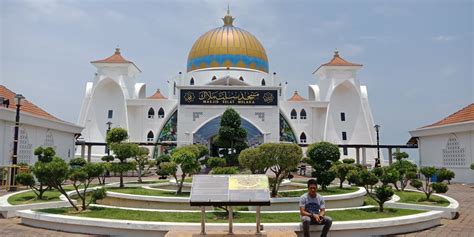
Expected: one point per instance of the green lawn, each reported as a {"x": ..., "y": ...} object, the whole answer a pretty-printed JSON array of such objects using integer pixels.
[
  {"x": 369, "y": 201},
  {"x": 329, "y": 191},
  {"x": 420, "y": 198},
  {"x": 149, "y": 182},
  {"x": 194, "y": 217},
  {"x": 30, "y": 197},
  {"x": 146, "y": 192}
]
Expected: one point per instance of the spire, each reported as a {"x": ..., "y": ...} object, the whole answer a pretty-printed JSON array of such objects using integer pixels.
[
  {"x": 296, "y": 97},
  {"x": 228, "y": 19}
]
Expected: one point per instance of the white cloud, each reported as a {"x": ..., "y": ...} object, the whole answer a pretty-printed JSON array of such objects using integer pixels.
[
  {"x": 352, "y": 49},
  {"x": 444, "y": 38},
  {"x": 448, "y": 71},
  {"x": 390, "y": 11},
  {"x": 57, "y": 9}
]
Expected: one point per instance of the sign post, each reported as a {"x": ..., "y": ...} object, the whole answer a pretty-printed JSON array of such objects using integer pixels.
[{"x": 230, "y": 190}]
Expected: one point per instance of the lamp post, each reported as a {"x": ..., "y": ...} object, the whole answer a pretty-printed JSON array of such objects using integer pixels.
[
  {"x": 18, "y": 98},
  {"x": 109, "y": 124},
  {"x": 377, "y": 161}
]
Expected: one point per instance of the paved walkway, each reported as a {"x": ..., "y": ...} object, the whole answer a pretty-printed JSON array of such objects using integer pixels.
[
  {"x": 460, "y": 227},
  {"x": 463, "y": 226}
]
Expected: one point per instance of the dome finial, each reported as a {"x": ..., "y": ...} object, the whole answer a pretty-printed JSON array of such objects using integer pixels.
[{"x": 228, "y": 19}]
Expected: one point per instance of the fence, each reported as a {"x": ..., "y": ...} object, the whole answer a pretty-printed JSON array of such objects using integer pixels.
[{"x": 5, "y": 176}]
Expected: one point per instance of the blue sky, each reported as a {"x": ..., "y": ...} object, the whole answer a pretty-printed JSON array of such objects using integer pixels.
[{"x": 417, "y": 55}]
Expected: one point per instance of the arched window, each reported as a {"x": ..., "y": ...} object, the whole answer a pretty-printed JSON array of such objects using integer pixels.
[
  {"x": 151, "y": 113},
  {"x": 303, "y": 114},
  {"x": 293, "y": 114},
  {"x": 161, "y": 113},
  {"x": 263, "y": 82},
  {"x": 303, "y": 138},
  {"x": 150, "y": 137},
  {"x": 241, "y": 78},
  {"x": 191, "y": 82},
  {"x": 214, "y": 78}
]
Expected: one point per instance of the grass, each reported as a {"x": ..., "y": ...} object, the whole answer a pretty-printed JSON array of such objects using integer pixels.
[
  {"x": 148, "y": 182},
  {"x": 219, "y": 217},
  {"x": 149, "y": 192},
  {"x": 146, "y": 192},
  {"x": 329, "y": 191},
  {"x": 30, "y": 197},
  {"x": 369, "y": 201},
  {"x": 420, "y": 198}
]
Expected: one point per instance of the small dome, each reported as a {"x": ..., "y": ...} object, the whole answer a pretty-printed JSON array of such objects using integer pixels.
[{"x": 227, "y": 46}]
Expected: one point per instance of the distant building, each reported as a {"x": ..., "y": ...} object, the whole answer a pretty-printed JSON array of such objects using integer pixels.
[
  {"x": 37, "y": 128},
  {"x": 449, "y": 143},
  {"x": 228, "y": 67}
]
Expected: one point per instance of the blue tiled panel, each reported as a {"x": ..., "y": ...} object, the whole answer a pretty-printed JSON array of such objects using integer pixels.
[{"x": 233, "y": 58}]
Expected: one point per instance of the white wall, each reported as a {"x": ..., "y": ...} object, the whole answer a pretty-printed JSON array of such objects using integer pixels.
[
  {"x": 431, "y": 153},
  {"x": 35, "y": 132}
]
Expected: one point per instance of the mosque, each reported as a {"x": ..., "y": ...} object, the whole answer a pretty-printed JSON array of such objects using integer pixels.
[{"x": 228, "y": 67}]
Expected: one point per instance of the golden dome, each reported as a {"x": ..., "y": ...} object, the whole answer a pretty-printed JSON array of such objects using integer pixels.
[{"x": 227, "y": 46}]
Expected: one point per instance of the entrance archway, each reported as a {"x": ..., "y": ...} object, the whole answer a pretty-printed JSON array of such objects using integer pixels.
[{"x": 206, "y": 132}]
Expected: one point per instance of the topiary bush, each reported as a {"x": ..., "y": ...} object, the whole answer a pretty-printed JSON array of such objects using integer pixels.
[
  {"x": 371, "y": 180},
  {"x": 445, "y": 175},
  {"x": 225, "y": 170},
  {"x": 428, "y": 187},
  {"x": 214, "y": 162},
  {"x": 321, "y": 157}
]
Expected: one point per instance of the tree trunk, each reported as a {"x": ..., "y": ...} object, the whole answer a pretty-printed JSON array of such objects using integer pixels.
[
  {"x": 61, "y": 190},
  {"x": 275, "y": 185},
  {"x": 380, "y": 207},
  {"x": 180, "y": 186},
  {"x": 140, "y": 174},
  {"x": 428, "y": 195},
  {"x": 121, "y": 179},
  {"x": 340, "y": 183},
  {"x": 396, "y": 186}
]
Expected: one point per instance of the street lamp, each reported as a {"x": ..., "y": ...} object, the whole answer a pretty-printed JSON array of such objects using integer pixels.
[
  {"x": 377, "y": 161},
  {"x": 109, "y": 124},
  {"x": 18, "y": 98}
]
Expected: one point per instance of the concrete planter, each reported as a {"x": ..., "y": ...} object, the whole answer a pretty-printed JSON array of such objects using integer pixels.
[
  {"x": 9, "y": 211},
  {"x": 385, "y": 226},
  {"x": 449, "y": 212},
  {"x": 353, "y": 199}
]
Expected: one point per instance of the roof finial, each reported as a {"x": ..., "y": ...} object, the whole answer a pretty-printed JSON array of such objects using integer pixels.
[
  {"x": 336, "y": 53},
  {"x": 228, "y": 19},
  {"x": 117, "y": 49}
]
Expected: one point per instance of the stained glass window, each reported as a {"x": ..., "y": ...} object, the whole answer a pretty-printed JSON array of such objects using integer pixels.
[
  {"x": 286, "y": 134},
  {"x": 168, "y": 132}
]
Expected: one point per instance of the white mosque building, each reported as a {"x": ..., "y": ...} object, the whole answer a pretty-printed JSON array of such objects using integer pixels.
[{"x": 228, "y": 67}]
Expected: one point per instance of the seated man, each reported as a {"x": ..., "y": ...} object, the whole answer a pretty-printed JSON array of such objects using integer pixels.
[{"x": 312, "y": 210}]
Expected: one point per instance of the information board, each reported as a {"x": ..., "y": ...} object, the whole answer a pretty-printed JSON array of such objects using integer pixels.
[{"x": 230, "y": 190}]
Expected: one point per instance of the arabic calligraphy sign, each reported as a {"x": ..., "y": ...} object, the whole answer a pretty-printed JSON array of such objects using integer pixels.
[{"x": 228, "y": 97}]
